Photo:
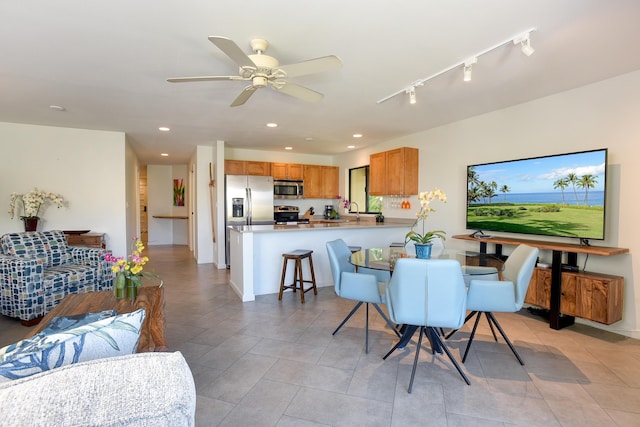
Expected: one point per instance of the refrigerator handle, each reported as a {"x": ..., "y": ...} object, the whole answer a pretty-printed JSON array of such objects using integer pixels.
[{"x": 249, "y": 206}]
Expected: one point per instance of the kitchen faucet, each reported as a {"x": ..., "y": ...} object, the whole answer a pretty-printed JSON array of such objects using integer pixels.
[{"x": 357, "y": 210}]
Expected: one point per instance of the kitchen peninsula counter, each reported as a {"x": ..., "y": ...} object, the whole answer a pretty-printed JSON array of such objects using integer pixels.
[{"x": 256, "y": 250}]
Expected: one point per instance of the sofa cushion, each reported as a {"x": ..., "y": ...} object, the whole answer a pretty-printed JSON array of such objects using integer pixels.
[
  {"x": 143, "y": 389},
  {"x": 113, "y": 336}
]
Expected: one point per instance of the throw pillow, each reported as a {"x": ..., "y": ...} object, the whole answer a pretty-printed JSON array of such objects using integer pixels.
[
  {"x": 59, "y": 323},
  {"x": 114, "y": 336}
]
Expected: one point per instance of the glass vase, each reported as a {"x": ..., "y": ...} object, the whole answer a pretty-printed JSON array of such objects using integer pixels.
[
  {"x": 131, "y": 290},
  {"x": 119, "y": 286}
]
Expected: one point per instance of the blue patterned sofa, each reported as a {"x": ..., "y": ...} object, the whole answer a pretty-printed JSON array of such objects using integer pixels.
[{"x": 38, "y": 269}]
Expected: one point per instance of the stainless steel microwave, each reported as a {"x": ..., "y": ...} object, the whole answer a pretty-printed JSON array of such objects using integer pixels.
[{"x": 288, "y": 189}]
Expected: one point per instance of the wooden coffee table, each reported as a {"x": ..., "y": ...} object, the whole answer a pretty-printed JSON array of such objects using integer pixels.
[{"x": 151, "y": 298}]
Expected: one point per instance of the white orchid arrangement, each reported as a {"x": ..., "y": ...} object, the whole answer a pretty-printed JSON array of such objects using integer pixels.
[
  {"x": 32, "y": 202},
  {"x": 425, "y": 198}
]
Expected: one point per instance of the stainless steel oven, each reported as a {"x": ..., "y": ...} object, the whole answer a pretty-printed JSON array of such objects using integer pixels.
[{"x": 288, "y": 189}]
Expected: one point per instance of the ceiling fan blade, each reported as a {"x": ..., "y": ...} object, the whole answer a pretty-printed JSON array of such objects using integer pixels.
[
  {"x": 244, "y": 96},
  {"x": 232, "y": 50},
  {"x": 298, "y": 91},
  {"x": 311, "y": 66},
  {"x": 204, "y": 79}
]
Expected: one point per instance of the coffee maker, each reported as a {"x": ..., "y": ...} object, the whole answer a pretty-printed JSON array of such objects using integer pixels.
[{"x": 327, "y": 211}]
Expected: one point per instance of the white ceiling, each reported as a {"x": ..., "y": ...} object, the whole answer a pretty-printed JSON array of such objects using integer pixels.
[{"x": 107, "y": 63}]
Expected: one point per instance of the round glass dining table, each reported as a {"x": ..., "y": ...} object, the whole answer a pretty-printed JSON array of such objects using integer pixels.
[{"x": 473, "y": 264}]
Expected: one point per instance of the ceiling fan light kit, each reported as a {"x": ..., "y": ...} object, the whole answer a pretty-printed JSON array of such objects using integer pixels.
[
  {"x": 522, "y": 39},
  {"x": 263, "y": 70}
]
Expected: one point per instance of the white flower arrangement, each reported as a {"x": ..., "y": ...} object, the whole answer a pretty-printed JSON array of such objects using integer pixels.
[{"x": 32, "y": 202}]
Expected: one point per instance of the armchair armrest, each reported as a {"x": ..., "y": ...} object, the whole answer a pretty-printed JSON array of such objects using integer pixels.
[
  {"x": 21, "y": 293},
  {"x": 94, "y": 257},
  {"x": 491, "y": 295}
]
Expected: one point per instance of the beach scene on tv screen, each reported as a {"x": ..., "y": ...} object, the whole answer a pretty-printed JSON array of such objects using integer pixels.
[{"x": 560, "y": 195}]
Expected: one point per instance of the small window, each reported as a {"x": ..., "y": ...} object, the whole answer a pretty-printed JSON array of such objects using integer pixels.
[{"x": 359, "y": 191}]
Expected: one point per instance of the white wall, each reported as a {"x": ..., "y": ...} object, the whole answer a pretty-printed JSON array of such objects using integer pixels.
[
  {"x": 600, "y": 115},
  {"x": 86, "y": 167}
]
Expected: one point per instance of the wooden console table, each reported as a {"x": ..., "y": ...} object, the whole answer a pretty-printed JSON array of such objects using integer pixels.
[
  {"x": 557, "y": 319},
  {"x": 151, "y": 298},
  {"x": 94, "y": 240}
]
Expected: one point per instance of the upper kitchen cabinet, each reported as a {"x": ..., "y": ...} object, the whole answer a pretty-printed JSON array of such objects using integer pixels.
[
  {"x": 394, "y": 172},
  {"x": 292, "y": 171},
  {"x": 247, "y": 167},
  {"x": 320, "y": 182}
]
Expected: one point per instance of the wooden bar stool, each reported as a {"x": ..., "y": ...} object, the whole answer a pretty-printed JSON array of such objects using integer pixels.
[{"x": 298, "y": 255}]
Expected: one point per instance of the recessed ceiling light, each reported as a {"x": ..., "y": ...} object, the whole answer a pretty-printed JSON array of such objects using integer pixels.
[
  {"x": 272, "y": 125},
  {"x": 57, "y": 108},
  {"x": 164, "y": 129},
  {"x": 357, "y": 135},
  {"x": 164, "y": 154},
  {"x": 288, "y": 148},
  {"x": 351, "y": 146},
  {"x": 308, "y": 138}
]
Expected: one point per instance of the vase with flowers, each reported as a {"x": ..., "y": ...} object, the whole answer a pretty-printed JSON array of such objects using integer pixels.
[
  {"x": 32, "y": 202},
  {"x": 423, "y": 239},
  {"x": 128, "y": 272}
]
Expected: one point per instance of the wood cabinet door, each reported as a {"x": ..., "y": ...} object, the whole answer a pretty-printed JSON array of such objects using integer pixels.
[
  {"x": 410, "y": 167},
  {"x": 568, "y": 297},
  {"x": 279, "y": 170},
  {"x": 313, "y": 182},
  {"x": 377, "y": 174},
  {"x": 258, "y": 168},
  {"x": 530, "y": 297},
  {"x": 330, "y": 182},
  {"x": 234, "y": 167},
  {"x": 543, "y": 287},
  {"x": 295, "y": 171},
  {"x": 395, "y": 171}
]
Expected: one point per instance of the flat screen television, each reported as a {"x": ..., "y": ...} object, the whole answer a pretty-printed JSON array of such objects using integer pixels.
[{"x": 560, "y": 195}]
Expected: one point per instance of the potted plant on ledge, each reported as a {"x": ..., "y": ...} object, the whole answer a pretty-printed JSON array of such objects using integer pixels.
[{"x": 423, "y": 240}]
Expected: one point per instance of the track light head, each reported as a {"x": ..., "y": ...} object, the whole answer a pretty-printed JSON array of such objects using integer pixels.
[
  {"x": 525, "y": 44},
  {"x": 412, "y": 95},
  {"x": 467, "y": 68}
]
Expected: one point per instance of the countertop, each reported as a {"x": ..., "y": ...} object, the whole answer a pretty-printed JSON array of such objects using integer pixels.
[{"x": 325, "y": 224}]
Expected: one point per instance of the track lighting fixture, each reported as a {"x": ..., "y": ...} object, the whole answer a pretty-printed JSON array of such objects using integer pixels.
[
  {"x": 412, "y": 95},
  {"x": 525, "y": 44},
  {"x": 522, "y": 39},
  {"x": 467, "y": 68}
]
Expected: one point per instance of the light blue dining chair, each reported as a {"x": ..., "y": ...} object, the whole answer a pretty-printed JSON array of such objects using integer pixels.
[
  {"x": 504, "y": 296},
  {"x": 430, "y": 294},
  {"x": 363, "y": 286}
]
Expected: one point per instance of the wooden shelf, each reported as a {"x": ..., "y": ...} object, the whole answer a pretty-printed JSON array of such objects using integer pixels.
[
  {"x": 552, "y": 246},
  {"x": 171, "y": 216}
]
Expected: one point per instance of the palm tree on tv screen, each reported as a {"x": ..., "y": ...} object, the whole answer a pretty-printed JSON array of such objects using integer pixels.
[
  {"x": 504, "y": 190},
  {"x": 587, "y": 181},
  {"x": 561, "y": 184},
  {"x": 573, "y": 179}
]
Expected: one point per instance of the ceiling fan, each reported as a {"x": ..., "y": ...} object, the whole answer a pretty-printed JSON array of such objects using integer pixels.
[{"x": 264, "y": 70}]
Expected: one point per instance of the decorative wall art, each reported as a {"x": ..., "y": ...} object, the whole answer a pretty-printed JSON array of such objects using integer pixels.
[{"x": 178, "y": 192}]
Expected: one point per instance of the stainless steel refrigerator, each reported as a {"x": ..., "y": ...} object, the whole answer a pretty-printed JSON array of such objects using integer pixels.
[{"x": 248, "y": 201}]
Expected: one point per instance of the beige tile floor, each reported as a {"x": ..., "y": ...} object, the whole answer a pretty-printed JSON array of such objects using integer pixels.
[{"x": 272, "y": 363}]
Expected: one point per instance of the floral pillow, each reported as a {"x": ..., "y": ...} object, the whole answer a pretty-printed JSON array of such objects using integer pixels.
[{"x": 113, "y": 336}]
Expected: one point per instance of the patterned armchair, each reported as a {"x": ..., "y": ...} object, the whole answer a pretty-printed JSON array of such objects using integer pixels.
[{"x": 38, "y": 269}]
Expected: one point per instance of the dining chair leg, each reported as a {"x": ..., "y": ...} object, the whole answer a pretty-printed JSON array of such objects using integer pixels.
[
  {"x": 473, "y": 332},
  {"x": 455, "y": 363},
  {"x": 513, "y": 349},
  {"x": 348, "y": 317},
  {"x": 493, "y": 331},
  {"x": 386, "y": 319},
  {"x": 415, "y": 360},
  {"x": 366, "y": 330}
]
